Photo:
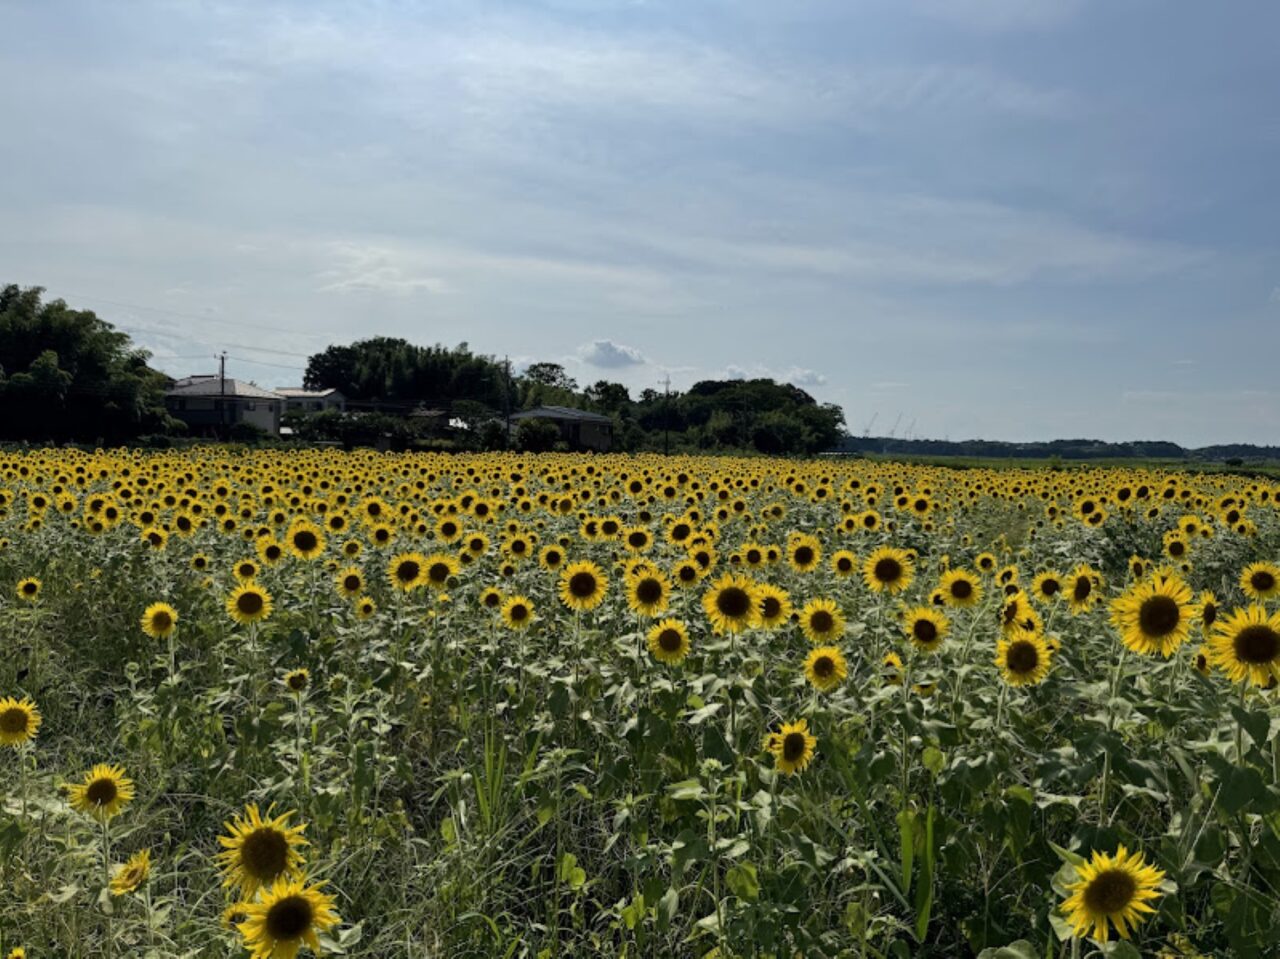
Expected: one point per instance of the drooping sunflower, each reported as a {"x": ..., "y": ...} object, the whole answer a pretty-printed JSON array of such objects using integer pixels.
[
  {"x": 1245, "y": 645},
  {"x": 1111, "y": 891},
  {"x": 287, "y": 916},
  {"x": 774, "y": 605},
  {"x": 1201, "y": 660},
  {"x": 648, "y": 593},
  {"x": 888, "y": 569},
  {"x": 305, "y": 540},
  {"x": 517, "y": 612},
  {"x": 159, "y": 620},
  {"x": 891, "y": 669},
  {"x": 1083, "y": 587},
  {"x": 926, "y": 628},
  {"x": 583, "y": 585},
  {"x": 1208, "y": 603},
  {"x": 406, "y": 571},
  {"x": 668, "y": 641},
  {"x": 1017, "y": 613},
  {"x": 1023, "y": 658},
  {"x": 349, "y": 582},
  {"x": 438, "y": 569},
  {"x": 792, "y": 746},
  {"x": 960, "y": 588},
  {"x": 19, "y": 721},
  {"x": 1261, "y": 581},
  {"x": 1047, "y": 586},
  {"x": 103, "y": 792},
  {"x": 249, "y": 603},
  {"x": 804, "y": 552},
  {"x": 29, "y": 589},
  {"x": 132, "y": 873},
  {"x": 259, "y": 852},
  {"x": 297, "y": 681},
  {"x": 822, "y": 620},
  {"x": 825, "y": 668},
  {"x": 730, "y": 603},
  {"x": 1154, "y": 616}
]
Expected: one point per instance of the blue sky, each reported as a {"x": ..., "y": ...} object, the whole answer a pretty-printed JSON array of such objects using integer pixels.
[{"x": 1015, "y": 219}]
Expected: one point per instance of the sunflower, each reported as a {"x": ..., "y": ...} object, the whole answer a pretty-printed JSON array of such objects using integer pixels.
[
  {"x": 1023, "y": 658},
  {"x": 365, "y": 607},
  {"x": 297, "y": 681},
  {"x": 517, "y": 612},
  {"x": 822, "y": 620},
  {"x": 245, "y": 570},
  {"x": 406, "y": 571},
  {"x": 305, "y": 540},
  {"x": 844, "y": 563},
  {"x": 1260, "y": 581},
  {"x": 792, "y": 747},
  {"x": 1047, "y": 586},
  {"x": 891, "y": 669},
  {"x": 29, "y": 589},
  {"x": 1201, "y": 661},
  {"x": 730, "y": 603},
  {"x": 349, "y": 582},
  {"x": 825, "y": 668},
  {"x": 551, "y": 557},
  {"x": 1018, "y": 613},
  {"x": 159, "y": 620},
  {"x": 960, "y": 588},
  {"x": 1154, "y": 616},
  {"x": 668, "y": 641},
  {"x": 926, "y": 628},
  {"x": 686, "y": 574},
  {"x": 636, "y": 539},
  {"x": 1112, "y": 890},
  {"x": 888, "y": 569},
  {"x": 804, "y": 552},
  {"x": 648, "y": 593},
  {"x": 1083, "y": 586},
  {"x": 17, "y": 952},
  {"x": 132, "y": 873},
  {"x": 288, "y": 914},
  {"x": 19, "y": 721},
  {"x": 773, "y": 604},
  {"x": 249, "y": 603},
  {"x": 438, "y": 569},
  {"x": 103, "y": 793},
  {"x": 1245, "y": 645},
  {"x": 259, "y": 852},
  {"x": 986, "y": 562},
  {"x": 1208, "y": 608},
  {"x": 583, "y": 585},
  {"x": 270, "y": 551}
]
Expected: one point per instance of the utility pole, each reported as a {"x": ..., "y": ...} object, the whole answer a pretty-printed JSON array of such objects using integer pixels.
[
  {"x": 666, "y": 416},
  {"x": 506, "y": 404},
  {"x": 222, "y": 389}
]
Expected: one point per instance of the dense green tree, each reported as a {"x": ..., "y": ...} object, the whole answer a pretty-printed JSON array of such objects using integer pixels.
[{"x": 67, "y": 375}]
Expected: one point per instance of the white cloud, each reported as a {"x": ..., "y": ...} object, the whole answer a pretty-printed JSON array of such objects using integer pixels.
[
  {"x": 795, "y": 375},
  {"x": 610, "y": 355}
]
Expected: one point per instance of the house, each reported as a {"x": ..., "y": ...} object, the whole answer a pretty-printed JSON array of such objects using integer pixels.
[
  {"x": 578, "y": 428},
  {"x": 298, "y": 400},
  {"x": 213, "y": 404}
]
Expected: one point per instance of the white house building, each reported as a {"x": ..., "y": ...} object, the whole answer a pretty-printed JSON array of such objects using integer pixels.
[
  {"x": 211, "y": 403},
  {"x": 298, "y": 400}
]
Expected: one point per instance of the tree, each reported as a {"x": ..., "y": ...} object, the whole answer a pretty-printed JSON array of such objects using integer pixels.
[
  {"x": 67, "y": 375},
  {"x": 537, "y": 436},
  {"x": 551, "y": 374},
  {"x": 608, "y": 397}
]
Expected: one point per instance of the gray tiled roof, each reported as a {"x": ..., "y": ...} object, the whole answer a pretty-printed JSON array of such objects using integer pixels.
[
  {"x": 560, "y": 413},
  {"x": 213, "y": 386}
]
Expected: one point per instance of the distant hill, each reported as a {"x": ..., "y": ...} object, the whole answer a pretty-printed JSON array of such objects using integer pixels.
[{"x": 1079, "y": 449}]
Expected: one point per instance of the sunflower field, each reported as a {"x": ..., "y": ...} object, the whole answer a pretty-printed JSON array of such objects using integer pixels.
[{"x": 266, "y": 703}]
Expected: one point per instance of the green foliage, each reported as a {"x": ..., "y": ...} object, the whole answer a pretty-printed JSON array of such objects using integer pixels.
[{"x": 67, "y": 375}]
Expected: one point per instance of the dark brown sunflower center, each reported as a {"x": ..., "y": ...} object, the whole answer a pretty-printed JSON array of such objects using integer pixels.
[
  {"x": 582, "y": 585},
  {"x": 687, "y": 574},
  {"x": 438, "y": 572},
  {"x": 733, "y": 601},
  {"x": 519, "y": 612},
  {"x": 844, "y": 564},
  {"x": 888, "y": 570},
  {"x": 1209, "y": 613},
  {"x": 962, "y": 589},
  {"x": 161, "y": 621},
  {"x": 793, "y": 745},
  {"x": 408, "y": 570},
  {"x": 648, "y": 591},
  {"x": 351, "y": 583},
  {"x": 637, "y": 539},
  {"x": 1257, "y": 645},
  {"x": 1110, "y": 892},
  {"x": 289, "y": 918},
  {"x": 803, "y": 555},
  {"x": 754, "y": 556},
  {"x": 272, "y": 552},
  {"x": 925, "y": 630},
  {"x": 770, "y": 607},
  {"x": 1050, "y": 587},
  {"x": 1082, "y": 588},
  {"x": 1159, "y": 616},
  {"x": 250, "y": 603},
  {"x": 102, "y": 792},
  {"x": 824, "y": 667},
  {"x": 305, "y": 540},
  {"x": 1262, "y": 581},
  {"x": 1177, "y": 547},
  {"x": 669, "y": 640},
  {"x": 264, "y": 854},
  {"x": 297, "y": 682},
  {"x": 30, "y": 588},
  {"x": 821, "y": 621},
  {"x": 518, "y": 546},
  {"x": 448, "y": 529},
  {"x": 1023, "y": 658},
  {"x": 492, "y": 599},
  {"x": 13, "y": 721}
]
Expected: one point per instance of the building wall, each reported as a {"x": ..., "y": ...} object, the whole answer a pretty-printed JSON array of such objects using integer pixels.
[
  {"x": 200, "y": 412},
  {"x": 596, "y": 436}
]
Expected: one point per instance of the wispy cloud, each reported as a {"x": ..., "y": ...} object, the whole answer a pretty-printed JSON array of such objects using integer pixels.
[{"x": 610, "y": 355}]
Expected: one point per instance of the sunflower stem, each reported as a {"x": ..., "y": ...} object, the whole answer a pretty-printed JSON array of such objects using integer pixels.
[{"x": 1244, "y": 689}]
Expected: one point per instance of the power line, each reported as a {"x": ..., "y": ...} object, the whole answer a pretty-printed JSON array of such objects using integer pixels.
[{"x": 194, "y": 316}]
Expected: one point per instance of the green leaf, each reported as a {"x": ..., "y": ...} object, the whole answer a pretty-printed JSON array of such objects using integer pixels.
[
  {"x": 1021, "y": 949},
  {"x": 933, "y": 759},
  {"x": 743, "y": 881},
  {"x": 907, "y": 845},
  {"x": 924, "y": 890},
  {"x": 1256, "y": 723}
]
